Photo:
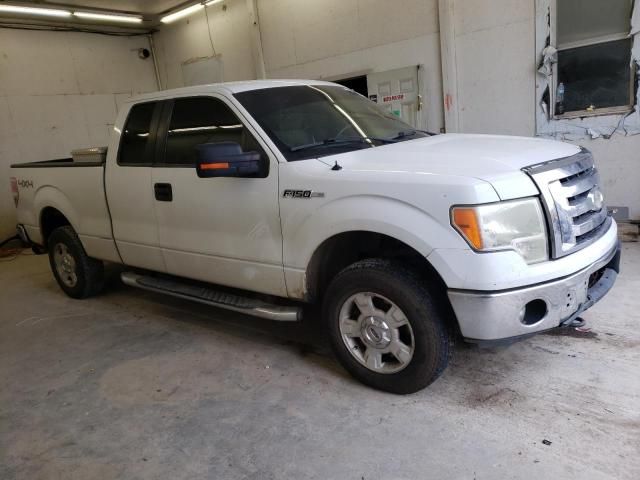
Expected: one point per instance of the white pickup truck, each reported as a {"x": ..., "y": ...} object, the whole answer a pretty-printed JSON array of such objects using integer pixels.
[{"x": 262, "y": 196}]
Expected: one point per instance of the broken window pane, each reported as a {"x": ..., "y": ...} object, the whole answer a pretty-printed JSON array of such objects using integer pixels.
[{"x": 597, "y": 76}]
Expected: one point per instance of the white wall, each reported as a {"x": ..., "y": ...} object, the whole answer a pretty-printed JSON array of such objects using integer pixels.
[
  {"x": 188, "y": 39},
  {"x": 496, "y": 68},
  {"x": 338, "y": 38},
  {"x": 494, "y": 56},
  {"x": 328, "y": 39},
  {"x": 618, "y": 161},
  {"x": 48, "y": 108},
  {"x": 60, "y": 91}
]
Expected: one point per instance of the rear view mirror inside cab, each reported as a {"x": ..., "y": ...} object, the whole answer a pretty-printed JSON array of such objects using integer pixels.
[{"x": 226, "y": 159}]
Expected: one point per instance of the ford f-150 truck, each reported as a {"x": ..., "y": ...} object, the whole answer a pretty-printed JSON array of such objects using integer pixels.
[{"x": 262, "y": 196}]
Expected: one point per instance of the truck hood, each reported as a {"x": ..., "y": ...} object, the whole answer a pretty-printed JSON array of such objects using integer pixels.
[{"x": 495, "y": 159}]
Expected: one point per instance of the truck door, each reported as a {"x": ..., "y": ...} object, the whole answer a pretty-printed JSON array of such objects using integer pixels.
[
  {"x": 130, "y": 191},
  {"x": 219, "y": 230},
  {"x": 397, "y": 91}
]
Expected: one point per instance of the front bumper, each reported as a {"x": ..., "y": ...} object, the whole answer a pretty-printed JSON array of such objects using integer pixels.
[{"x": 488, "y": 317}]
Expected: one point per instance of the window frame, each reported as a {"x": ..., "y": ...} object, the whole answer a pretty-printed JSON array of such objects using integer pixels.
[
  {"x": 149, "y": 151},
  {"x": 159, "y": 158},
  {"x": 553, "y": 85}
]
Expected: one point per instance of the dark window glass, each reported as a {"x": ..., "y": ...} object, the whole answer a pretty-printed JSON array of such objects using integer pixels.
[
  {"x": 135, "y": 136},
  {"x": 199, "y": 120},
  {"x": 597, "y": 76},
  {"x": 335, "y": 118}
]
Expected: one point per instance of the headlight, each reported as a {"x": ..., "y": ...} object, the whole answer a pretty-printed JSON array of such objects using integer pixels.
[{"x": 512, "y": 225}]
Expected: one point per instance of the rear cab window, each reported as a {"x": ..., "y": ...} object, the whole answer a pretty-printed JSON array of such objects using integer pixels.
[{"x": 137, "y": 135}]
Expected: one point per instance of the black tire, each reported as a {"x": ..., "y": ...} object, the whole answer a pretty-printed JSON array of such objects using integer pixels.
[
  {"x": 431, "y": 337},
  {"x": 89, "y": 272}
]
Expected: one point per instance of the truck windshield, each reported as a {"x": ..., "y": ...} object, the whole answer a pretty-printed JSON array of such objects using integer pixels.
[{"x": 312, "y": 121}]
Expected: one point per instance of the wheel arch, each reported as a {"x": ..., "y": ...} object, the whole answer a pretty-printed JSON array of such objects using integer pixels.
[
  {"x": 50, "y": 219},
  {"x": 341, "y": 250},
  {"x": 56, "y": 210}
]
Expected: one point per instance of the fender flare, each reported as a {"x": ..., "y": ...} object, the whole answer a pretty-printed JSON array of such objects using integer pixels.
[{"x": 51, "y": 197}]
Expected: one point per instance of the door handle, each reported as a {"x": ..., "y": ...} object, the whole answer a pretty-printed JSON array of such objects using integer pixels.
[{"x": 163, "y": 192}]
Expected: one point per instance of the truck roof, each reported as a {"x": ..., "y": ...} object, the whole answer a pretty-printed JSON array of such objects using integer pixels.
[{"x": 226, "y": 87}]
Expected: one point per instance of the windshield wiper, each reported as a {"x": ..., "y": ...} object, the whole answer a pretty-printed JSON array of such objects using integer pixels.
[
  {"x": 330, "y": 142},
  {"x": 410, "y": 133}
]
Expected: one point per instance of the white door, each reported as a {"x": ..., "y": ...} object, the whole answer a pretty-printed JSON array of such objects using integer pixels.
[
  {"x": 130, "y": 191},
  {"x": 397, "y": 91},
  {"x": 219, "y": 230}
]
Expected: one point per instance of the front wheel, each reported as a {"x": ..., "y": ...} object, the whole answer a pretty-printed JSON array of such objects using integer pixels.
[{"x": 385, "y": 328}]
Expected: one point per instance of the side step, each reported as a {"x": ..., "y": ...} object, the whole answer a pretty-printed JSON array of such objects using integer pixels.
[{"x": 215, "y": 298}]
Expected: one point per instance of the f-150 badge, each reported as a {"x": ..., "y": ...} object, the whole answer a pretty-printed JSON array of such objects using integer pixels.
[{"x": 301, "y": 194}]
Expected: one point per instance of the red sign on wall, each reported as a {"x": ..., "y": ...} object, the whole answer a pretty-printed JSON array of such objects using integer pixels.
[{"x": 393, "y": 98}]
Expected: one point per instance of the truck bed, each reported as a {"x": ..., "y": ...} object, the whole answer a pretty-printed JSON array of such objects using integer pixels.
[
  {"x": 58, "y": 162},
  {"x": 76, "y": 190}
]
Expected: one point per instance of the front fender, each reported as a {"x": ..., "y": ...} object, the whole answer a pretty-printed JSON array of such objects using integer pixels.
[
  {"x": 372, "y": 213},
  {"x": 305, "y": 232}
]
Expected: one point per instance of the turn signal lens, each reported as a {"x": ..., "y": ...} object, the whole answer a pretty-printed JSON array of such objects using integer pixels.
[
  {"x": 214, "y": 166},
  {"x": 466, "y": 220}
]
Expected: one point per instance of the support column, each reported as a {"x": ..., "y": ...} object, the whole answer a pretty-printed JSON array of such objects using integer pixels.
[
  {"x": 449, "y": 67},
  {"x": 256, "y": 39}
]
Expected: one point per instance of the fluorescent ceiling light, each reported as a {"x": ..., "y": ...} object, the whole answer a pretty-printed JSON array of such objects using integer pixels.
[
  {"x": 48, "y": 12},
  {"x": 172, "y": 17},
  {"x": 108, "y": 17},
  {"x": 211, "y": 2}
]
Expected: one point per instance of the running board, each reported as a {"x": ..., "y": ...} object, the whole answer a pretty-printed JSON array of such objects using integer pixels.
[{"x": 215, "y": 298}]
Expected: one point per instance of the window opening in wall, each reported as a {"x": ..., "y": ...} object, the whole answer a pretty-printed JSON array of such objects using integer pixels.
[
  {"x": 593, "y": 74},
  {"x": 357, "y": 84}
]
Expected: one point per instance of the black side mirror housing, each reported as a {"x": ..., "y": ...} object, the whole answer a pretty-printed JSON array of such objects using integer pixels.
[{"x": 226, "y": 159}]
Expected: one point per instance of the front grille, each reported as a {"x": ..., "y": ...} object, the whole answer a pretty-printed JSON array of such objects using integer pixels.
[{"x": 571, "y": 196}]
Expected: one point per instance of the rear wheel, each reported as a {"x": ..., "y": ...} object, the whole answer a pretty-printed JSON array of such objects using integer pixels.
[
  {"x": 78, "y": 275},
  {"x": 385, "y": 328}
]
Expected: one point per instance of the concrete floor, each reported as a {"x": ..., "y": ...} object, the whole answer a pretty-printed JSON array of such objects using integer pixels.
[{"x": 136, "y": 385}]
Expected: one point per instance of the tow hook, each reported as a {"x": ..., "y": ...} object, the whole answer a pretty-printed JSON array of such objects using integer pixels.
[{"x": 576, "y": 322}]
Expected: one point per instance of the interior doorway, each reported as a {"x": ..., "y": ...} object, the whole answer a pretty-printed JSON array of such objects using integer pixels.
[
  {"x": 357, "y": 84},
  {"x": 397, "y": 91}
]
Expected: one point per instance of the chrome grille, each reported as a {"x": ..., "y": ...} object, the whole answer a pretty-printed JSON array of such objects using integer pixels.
[{"x": 572, "y": 200}]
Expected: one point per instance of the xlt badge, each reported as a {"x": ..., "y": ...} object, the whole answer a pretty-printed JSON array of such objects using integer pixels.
[{"x": 301, "y": 194}]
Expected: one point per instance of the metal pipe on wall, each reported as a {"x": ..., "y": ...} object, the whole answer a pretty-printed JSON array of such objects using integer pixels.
[{"x": 152, "y": 47}]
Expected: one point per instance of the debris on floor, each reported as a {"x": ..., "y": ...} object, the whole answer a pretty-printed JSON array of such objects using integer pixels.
[{"x": 575, "y": 332}]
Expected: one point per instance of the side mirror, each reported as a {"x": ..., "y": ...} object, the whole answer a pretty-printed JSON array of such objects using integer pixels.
[{"x": 226, "y": 159}]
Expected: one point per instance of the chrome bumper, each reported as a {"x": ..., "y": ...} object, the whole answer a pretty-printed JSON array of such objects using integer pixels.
[{"x": 511, "y": 314}]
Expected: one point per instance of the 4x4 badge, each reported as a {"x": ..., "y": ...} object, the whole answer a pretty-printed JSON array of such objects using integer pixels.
[{"x": 301, "y": 194}]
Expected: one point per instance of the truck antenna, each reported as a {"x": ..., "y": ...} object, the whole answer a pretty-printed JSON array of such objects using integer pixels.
[{"x": 336, "y": 167}]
